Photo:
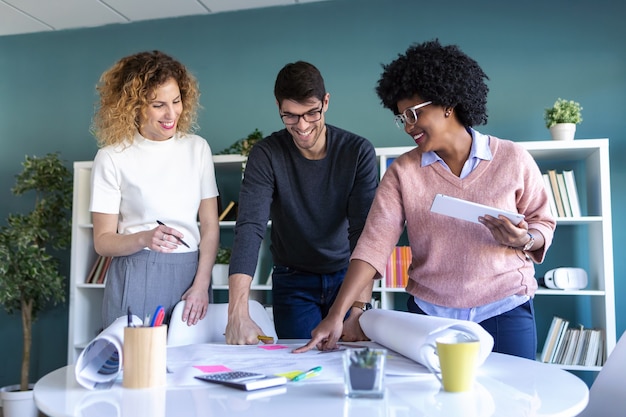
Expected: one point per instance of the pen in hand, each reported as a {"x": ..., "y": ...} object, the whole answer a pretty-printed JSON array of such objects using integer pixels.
[{"x": 177, "y": 238}]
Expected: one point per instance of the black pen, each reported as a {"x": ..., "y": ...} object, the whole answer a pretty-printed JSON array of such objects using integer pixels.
[
  {"x": 130, "y": 318},
  {"x": 179, "y": 239}
]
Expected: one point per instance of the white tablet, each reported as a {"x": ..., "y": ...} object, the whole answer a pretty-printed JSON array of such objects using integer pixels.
[{"x": 467, "y": 210}]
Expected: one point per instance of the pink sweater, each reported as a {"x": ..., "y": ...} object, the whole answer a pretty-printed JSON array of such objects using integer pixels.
[{"x": 458, "y": 263}]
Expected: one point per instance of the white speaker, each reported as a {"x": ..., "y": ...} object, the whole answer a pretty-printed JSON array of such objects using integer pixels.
[{"x": 566, "y": 278}]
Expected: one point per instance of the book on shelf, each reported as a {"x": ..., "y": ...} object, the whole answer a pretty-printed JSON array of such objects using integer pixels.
[
  {"x": 564, "y": 194},
  {"x": 99, "y": 269},
  {"x": 229, "y": 213},
  {"x": 554, "y": 185},
  {"x": 90, "y": 276},
  {"x": 101, "y": 279},
  {"x": 551, "y": 202},
  {"x": 551, "y": 339},
  {"x": 397, "y": 271},
  {"x": 572, "y": 346},
  {"x": 560, "y": 353},
  {"x": 580, "y": 346},
  {"x": 572, "y": 192},
  {"x": 559, "y": 347}
]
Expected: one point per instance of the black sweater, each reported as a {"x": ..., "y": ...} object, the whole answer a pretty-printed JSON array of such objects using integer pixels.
[{"x": 317, "y": 207}]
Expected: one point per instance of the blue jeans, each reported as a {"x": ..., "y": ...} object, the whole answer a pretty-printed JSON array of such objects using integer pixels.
[
  {"x": 301, "y": 300},
  {"x": 514, "y": 332}
]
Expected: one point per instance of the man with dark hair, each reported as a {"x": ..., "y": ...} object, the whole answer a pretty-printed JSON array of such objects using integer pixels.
[{"x": 315, "y": 182}]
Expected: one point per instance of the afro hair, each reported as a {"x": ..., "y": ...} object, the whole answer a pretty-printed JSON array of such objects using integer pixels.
[{"x": 441, "y": 74}]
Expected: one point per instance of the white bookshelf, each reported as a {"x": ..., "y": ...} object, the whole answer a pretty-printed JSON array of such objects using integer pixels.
[{"x": 591, "y": 248}]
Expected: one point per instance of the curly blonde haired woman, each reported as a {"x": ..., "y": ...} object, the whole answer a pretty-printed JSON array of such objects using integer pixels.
[{"x": 152, "y": 181}]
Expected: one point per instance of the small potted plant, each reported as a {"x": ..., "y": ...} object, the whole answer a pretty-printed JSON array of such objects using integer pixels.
[
  {"x": 562, "y": 119},
  {"x": 29, "y": 275},
  {"x": 364, "y": 371},
  {"x": 220, "y": 269},
  {"x": 243, "y": 146}
]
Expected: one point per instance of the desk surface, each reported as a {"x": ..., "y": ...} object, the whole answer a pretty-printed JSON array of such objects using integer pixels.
[{"x": 506, "y": 386}]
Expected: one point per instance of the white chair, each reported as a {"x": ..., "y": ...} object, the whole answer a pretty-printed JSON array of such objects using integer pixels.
[
  {"x": 607, "y": 397},
  {"x": 211, "y": 329}
]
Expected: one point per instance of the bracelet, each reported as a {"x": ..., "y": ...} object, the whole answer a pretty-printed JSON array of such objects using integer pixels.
[{"x": 528, "y": 246}]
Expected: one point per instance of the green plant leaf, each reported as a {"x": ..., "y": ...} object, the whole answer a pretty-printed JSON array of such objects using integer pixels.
[{"x": 563, "y": 111}]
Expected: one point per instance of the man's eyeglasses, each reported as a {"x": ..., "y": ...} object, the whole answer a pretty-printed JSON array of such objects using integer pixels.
[
  {"x": 409, "y": 116},
  {"x": 309, "y": 117}
]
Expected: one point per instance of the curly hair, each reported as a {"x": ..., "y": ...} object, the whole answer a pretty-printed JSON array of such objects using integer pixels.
[
  {"x": 127, "y": 88},
  {"x": 441, "y": 74}
]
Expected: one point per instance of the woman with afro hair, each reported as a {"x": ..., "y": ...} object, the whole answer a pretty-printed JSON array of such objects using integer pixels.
[{"x": 482, "y": 272}]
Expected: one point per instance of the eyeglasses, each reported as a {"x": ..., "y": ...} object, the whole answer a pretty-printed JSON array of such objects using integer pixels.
[
  {"x": 309, "y": 117},
  {"x": 409, "y": 116}
]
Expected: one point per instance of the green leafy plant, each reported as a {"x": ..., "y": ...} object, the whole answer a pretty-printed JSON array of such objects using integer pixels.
[
  {"x": 243, "y": 146},
  {"x": 223, "y": 255},
  {"x": 29, "y": 275},
  {"x": 563, "y": 111},
  {"x": 364, "y": 358}
]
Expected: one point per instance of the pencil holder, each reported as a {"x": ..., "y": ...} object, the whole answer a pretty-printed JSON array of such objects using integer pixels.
[{"x": 144, "y": 357}]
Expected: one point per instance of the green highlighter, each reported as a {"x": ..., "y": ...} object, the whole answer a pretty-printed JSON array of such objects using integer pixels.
[{"x": 310, "y": 372}]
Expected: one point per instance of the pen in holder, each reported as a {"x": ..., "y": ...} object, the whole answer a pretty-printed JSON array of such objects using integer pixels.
[{"x": 144, "y": 357}]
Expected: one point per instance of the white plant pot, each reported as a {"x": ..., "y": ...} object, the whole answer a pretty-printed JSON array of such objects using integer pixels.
[
  {"x": 219, "y": 275},
  {"x": 17, "y": 403},
  {"x": 563, "y": 131}
]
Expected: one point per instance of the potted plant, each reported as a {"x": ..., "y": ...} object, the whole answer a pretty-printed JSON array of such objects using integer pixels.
[
  {"x": 29, "y": 274},
  {"x": 364, "y": 371},
  {"x": 220, "y": 269},
  {"x": 562, "y": 119},
  {"x": 243, "y": 146}
]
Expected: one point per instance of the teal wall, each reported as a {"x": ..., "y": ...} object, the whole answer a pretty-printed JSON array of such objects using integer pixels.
[{"x": 533, "y": 52}]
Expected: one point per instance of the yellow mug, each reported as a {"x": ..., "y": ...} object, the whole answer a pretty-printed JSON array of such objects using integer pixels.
[{"x": 455, "y": 361}]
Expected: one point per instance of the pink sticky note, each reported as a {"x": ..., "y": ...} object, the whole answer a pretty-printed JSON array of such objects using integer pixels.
[
  {"x": 211, "y": 368},
  {"x": 272, "y": 347}
]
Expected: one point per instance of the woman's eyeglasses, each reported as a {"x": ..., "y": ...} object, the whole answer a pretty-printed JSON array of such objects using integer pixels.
[{"x": 409, "y": 116}]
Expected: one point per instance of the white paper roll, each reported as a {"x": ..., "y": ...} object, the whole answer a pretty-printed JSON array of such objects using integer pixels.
[
  {"x": 100, "y": 363},
  {"x": 406, "y": 333}
]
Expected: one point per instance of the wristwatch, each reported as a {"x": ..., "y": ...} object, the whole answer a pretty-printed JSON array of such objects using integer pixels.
[
  {"x": 362, "y": 305},
  {"x": 530, "y": 243}
]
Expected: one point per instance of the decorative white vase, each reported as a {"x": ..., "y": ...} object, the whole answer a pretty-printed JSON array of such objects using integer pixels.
[
  {"x": 16, "y": 403},
  {"x": 563, "y": 131},
  {"x": 219, "y": 275}
]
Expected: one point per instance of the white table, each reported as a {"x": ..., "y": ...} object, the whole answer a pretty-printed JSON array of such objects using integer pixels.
[{"x": 506, "y": 386}]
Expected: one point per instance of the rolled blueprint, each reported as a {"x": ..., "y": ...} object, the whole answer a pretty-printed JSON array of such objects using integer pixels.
[
  {"x": 100, "y": 363},
  {"x": 406, "y": 333}
]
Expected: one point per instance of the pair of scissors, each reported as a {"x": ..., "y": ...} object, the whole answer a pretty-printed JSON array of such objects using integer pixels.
[{"x": 157, "y": 317}]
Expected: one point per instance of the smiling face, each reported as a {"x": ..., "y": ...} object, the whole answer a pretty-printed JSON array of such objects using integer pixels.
[
  {"x": 430, "y": 123},
  {"x": 309, "y": 137},
  {"x": 159, "y": 119}
]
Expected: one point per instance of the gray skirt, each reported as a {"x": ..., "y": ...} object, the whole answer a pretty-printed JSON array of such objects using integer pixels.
[{"x": 145, "y": 280}]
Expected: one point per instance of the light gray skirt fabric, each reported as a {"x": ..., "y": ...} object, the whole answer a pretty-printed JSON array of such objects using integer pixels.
[{"x": 145, "y": 280}]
